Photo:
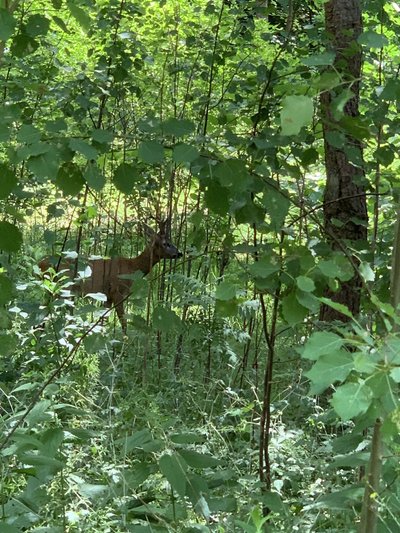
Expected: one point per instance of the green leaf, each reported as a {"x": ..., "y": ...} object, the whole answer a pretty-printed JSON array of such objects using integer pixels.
[
  {"x": 23, "y": 45},
  {"x": 83, "y": 148},
  {"x": 217, "y": 198},
  {"x": 351, "y": 400},
  {"x": 371, "y": 39},
  {"x": 80, "y": 15},
  {"x": 70, "y": 179},
  {"x": 395, "y": 374},
  {"x": 8, "y": 181},
  {"x": 319, "y": 60},
  {"x": 293, "y": 312},
  {"x": 165, "y": 319},
  {"x": 94, "y": 177},
  {"x": 199, "y": 460},
  {"x": 102, "y": 136},
  {"x": 297, "y": 111},
  {"x": 7, "y": 24},
  {"x": 322, "y": 343},
  {"x": 125, "y": 178},
  {"x": 28, "y": 134},
  {"x": 44, "y": 165},
  {"x": 266, "y": 266},
  {"x": 187, "y": 438},
  {"x": 136, "y": 441},
  {"x": 184, "y": 153},
  {"x": 151, "y": 152},
  {"x": 7, "y": 528},
  {"x": 328, "y": 369},
  {"x": 178, "y": 127},
  {"x": 173, "y": 467},
  {"x": 338, "y": 307},
  {"x": 233, "y": 173},
  {"x": 37, "y": 25},
  {"x": 10, "y": 237},
  {"x": 308, "y": 300},
  {"x": 277, "y": 205},
  {"x": 8, "y": 344},
  {"x": 6, "y": 289},
  {"x": 225, "y": 291},
  {"x": 305, "y": 284},
  {"x": 366, "y": 271}
]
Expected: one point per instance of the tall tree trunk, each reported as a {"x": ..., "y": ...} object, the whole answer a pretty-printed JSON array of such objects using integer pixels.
[{"x": 345, "y": 210}]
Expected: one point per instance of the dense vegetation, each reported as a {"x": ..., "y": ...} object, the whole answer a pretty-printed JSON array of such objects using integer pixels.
[{"x": 256, "y": 388}]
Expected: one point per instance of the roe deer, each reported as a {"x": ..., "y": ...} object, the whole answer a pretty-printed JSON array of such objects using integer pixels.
[{"x": 106, "y": 273}]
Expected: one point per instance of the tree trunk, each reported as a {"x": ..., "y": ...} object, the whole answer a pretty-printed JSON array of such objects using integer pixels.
[{"x": 345, "y": 211}]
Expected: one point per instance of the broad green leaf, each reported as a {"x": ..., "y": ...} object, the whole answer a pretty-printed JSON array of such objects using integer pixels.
[
  {"x": 102, "y": 136},
  {"x": 187, "y": 438},
  {"x": 8, "y": 344},
  {"x": 23, "y": 45},
  {"x": 80, "y": 15},
  {"x": 151, "y": 152},
  {"x": 83, "y": 148},
  {"x": 328, "y": 369},
  {"x": 217, "y": 198},
  {"x": 293, "y": 312},
  {"x": 6, "y": 289},
  {"x": 305, "y": 284},
  {"x": 371, "y": 39},
  {"x": 233, "y": 173},
  {"x": 178, "y": 127},
  {"x": 277, "y": 205},
  {"x": 225, "y": 291},
  {"x": 70, "y": 179},
  {"x": 322, "y": 343},
  {"x": 365, "y": 362},
  {"x": 94, "y": 177},
  {"x": 28, "y": 134},
  {"x": 125, "y": 178},
  {"x": 308, "y": 300},
  {"x": 184, "y": 153},
  {"x": 7, "y": 528},
  {"x": 93, "y": 492},
  {"x": 395, "y": 374},
  {"x": 37, "y": 25},
  {"x": 297, "y": 111},
  {"x": 7, "y": 24},
  {"x": 60, "y": 23},
  {"x": 351, "y": 400},
  {"x": 136, "y": 441},
  {"x": 319, "y": 60},
  {"x": 265, "y": 266},
  {"x": 10, "y": 237},
  {"x": 338, "y": 307},
  {"x": 136, "y": 475},
  {"x": 226, "y": 307},
  {"x": 173, "y": 467},
  {"x": 165, "y": 319},
  {"x": 198, "y": 460},
  {"x": 8, "y": 180},
  {"x": 366, "y": 271},
  {"x": 44, "y": 166}
]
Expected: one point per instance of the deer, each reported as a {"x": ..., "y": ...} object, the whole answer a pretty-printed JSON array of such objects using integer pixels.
[{"x": 114, "y": 277}]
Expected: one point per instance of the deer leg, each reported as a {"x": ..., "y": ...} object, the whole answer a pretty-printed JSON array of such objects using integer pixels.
[{"x": 119, "y": 308}]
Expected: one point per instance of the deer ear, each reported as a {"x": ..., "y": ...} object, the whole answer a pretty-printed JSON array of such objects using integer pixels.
[{"x": 147, "y": 231}]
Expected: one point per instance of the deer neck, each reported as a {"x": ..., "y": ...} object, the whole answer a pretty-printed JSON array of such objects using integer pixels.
[{"x": 146, "y": 260}]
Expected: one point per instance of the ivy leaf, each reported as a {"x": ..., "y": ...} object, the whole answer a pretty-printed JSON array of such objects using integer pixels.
[
  {"x": 10, "y": 237},
  {"x": 8, "y": 181},
  {"x": 351, "y": 400},
  {"x": 322, "y": 343},
  {"x": 297, "y": 111},
  {"x": 7, "y": 24},
  {"x": 70, "y": 179},
  {"x": 151, "y": 152},
  {"x": 184, "y": 153},
  {"x": 173, "y": 467},
  {"x": 329, "y": 369},
  {"x": 125, "y": 178}
]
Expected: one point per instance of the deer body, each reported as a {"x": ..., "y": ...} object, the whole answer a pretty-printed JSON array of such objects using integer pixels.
[{"x": 106, "y": 273}]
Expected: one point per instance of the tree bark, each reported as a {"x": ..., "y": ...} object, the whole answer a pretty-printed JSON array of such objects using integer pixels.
[{"x": 345, "y": 210}]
